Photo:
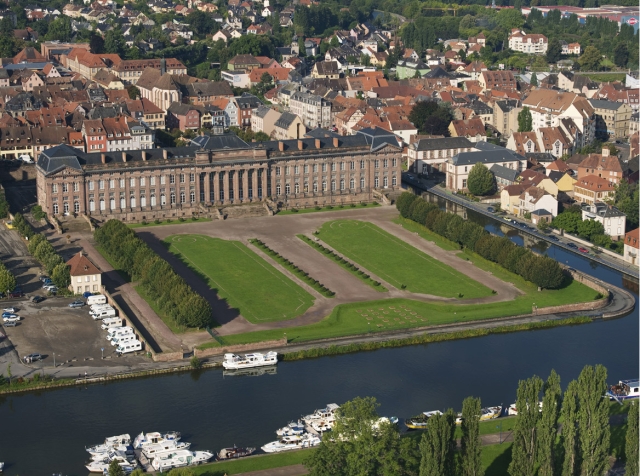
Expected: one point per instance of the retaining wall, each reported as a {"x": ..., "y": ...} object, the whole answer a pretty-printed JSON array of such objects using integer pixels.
[
  {"x": 240, "y": 348},
  {"x": 127, "y": 322}
]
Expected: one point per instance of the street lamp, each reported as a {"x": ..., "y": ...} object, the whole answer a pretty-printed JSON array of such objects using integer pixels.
[
  {"x": 102, "y": 350},
  {"x": 500, "y": 438},
  {"x": 54, "y": 360}
]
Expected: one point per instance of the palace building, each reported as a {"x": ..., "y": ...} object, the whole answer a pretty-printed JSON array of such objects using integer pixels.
[{"x": 218, "y": 171}]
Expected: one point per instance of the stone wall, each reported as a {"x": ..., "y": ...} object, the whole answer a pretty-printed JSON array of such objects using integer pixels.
[
  {"x": 127, "y": 322},
  {"x": 240, "y": 348},
  {"x": 584, "y": 306},
  {"x": 167, "y": 356}
]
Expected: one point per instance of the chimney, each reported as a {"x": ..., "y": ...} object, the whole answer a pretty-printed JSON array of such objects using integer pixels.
[
  {"x": 335, "y": 142},
  {"x": 605, "y": 152},
  {"x": 165, "y": 154},
  {"x": 281, "y": 146},
  {"x": 317, "y": 143},
  {"x": 300, "y": 145},
  {"x": 104, "y": 158},
  {"x": 124, "y": 156},
  {"x": 144, "y": 155}
]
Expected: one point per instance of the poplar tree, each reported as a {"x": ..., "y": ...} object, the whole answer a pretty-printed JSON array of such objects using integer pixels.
[
  {"x": 548, "y": 425},
  {"x": 593, "y": 420},
  {"x": 470, "y": 464},
  {"x": 437, "y": 446},
  {"x": 631, "y": 445},
  {"x": 525, "y": 433},
  {"x": 570, "y": 429}
]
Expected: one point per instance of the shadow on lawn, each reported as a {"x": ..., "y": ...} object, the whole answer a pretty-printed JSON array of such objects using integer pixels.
[{"x": 222, "y": 312}]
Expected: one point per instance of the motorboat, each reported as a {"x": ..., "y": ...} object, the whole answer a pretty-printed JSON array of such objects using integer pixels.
[
  {"x": 293, "y": 428},
  {"x": 110, "y": 443},
  {"x": 294, "y": 442},
  {"x": 233, "y": 361},
  {"x": 323, "y": 414},
  {"x": 1, "y": 466},
  {"x": 154, "y": 437},
  {"x": 235, "y": 452},
  {"x": 323, "y": 425},
  {"x": 251, "y": 372},
  {"x": 513, "y": 411},
  {"x": 151, "y": 451},
  {"x": 419, "y": 422},
  {"x": 123, "y": 450},
  {"x": 624, "y": 390},
  {"x": 176, "y": 459},
  {"x": 487, "y": 413},
  {"x": 100, "y": 466}
]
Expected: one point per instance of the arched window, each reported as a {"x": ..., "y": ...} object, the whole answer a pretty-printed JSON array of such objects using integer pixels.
[
  {"x": 324, "y": 185},
  {"x": 352, "y": 183},
  {"x": 183, "y": 197},
  {"x": 132, "y": 201},
  {"x": 192, "y": 196},
  {"x": 362, "y": 183},
  {"x": 56, "y": 210},
  {"x": 385, "y": 182},
  {"x": 92, "y": 205},
  {"x": 278, "y": 190},
  {"x": 143, "y": 200},
  {"x": 341, "y": 184},
  {"x": 296, "y": 188},
  {"x": 123, "y": 202},
  {"x": 112, "y": 203},
  {"x": 163, "y": 199},
  {"x": 172, "y": 198},
  {"x": 65, "y": 207},
  {"x": 376, "y": 182},
  {"x": 76, "y": 207},
  {"x": 333, "y": 185},
  {"x": 394, "y": 181},
  {"x": 306, "y": 187},
  {"x": 287, "y": 189},
  {"x": 102, "y": 205},
  {"x": 153, "y": 200},
  {"x": 315, "y": 186}
]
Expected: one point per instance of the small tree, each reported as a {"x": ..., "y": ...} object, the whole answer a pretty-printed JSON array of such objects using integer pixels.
[
  {"x": 481, "y": 181},
  {"x": 631, "y": 444},
  {"x": 7, "y": 280},
  {"x": 115, "y": 469},
  {"x": 133, "y": 91},
  {"x": 534, "y": 79},
  {"x": 470, "y": 462},
  {"x": 60, "y": 276},
  {"x": 590, "y": 59},
  {"x": 525, "y": 121}
]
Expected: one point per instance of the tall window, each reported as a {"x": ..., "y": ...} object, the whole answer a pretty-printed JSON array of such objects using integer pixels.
[
  {"x": 152, "y": 181},
  {"x": 192, "y": 178},
  {"x": 394, "y": 181},
  {"x": 142, "y": 181},
  {"x": 121, "y": 183},
  {"x": 123, "y": 202},
  {"x": 65, "y": 188},
  {"x": 181, "y": 178},
  {"x": 376, "y": 164},
  {"x": 287, "y": 189},
  {"x": 362, "y": 164},
  {"x": 92, "y": 206},
  {"x": 172, "y": 178},
  {"x": 163, "y": 180},
  {"x": 56, "y": 209},
  {"x": 324, "y": 167},
  {"x": 352, "y": 183},
  {"x": 112, "y": 184},
  {"x": 394, "y": 162},
  {"x": 54, "y": 188},
  {"x": 385, "y": 182},
  {"x": 296, "y": 170},
  {"x": 296, "y": 188},
  {"x": 183, "y": 196},
  {"x": 342, "y": 165},
  {"x": 172, "y": 198},
  {"x": 132, "y": 201},
  {"x": 163, "y": 199},
  {"x": 324, "y": 185},
  {"x": 192, "y": 196},
  {"x": 278, "y": 190},
  {"x": 102, "y": 205},
  {"x": 333, "y": 166},
  {"x": 362, "y": 183},
  {"x": 143, "y": 200},
  {"x": 385, "y": 163},
  {"x": 333, "y": 185},
  {"x": 315, "y": 168},
  {"x": 376, "y": 182},
  {"x": 132, "y": 182},
  {"x": 352, "y": 165},
  {"x": 76, "y": 187},
  {"x": 341, "y": 184}
]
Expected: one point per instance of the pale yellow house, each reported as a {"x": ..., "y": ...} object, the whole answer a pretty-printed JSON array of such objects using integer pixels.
[
  {"x": 85, "y": 276},
  {"x": 565, "y": 183},
  {"x": 288, "y": 126},
  {"x": 510, "y": 198}
]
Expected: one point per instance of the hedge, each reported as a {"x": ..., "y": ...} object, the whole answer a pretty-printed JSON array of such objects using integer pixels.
[
  {"x": 173, "y": 295},
  {"x": 543, "y": 271}
]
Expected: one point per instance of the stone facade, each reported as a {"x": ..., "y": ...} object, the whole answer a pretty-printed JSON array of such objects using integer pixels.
[{"x": 217, "y": 171}]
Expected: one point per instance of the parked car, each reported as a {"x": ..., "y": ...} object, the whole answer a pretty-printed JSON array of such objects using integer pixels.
[
  {"x": 8, "y": 314},
  {"x": 47, "y": 286},
  {"x": 37, "y": 299},
  {"x": 10, "y": 309},
  {"x": 508, "y": 219},
  {"x": 490, "y": 209},
  {"x": 11, "y": 324},
  {"x": 583, "y": 250},
  {"x": 53, "y": 290},
  {"x": 554, "y": 238},
  {"x": 571, "y": 245},
  {"x": 16, "y": 294},
  {"x": 76, "y": 304},
  {"x": 43, "y": 278},
  {"x": 32, "y": 358},
  {"x": 13, "y": 318}
]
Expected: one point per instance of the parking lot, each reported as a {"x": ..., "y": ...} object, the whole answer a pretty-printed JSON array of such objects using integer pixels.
[{"x": 51, "y": 327}]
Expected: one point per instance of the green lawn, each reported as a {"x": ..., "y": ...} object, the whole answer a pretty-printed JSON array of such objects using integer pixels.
[
  {"x": 496, "y": 458},
  {"x": 254, "y": 463},
  {"x": 333, "y": 208},
  {"x": 606, "y": 77},
  {"x": 397, "y": 262},
  {"x": 427, "y": 234},
  {"x": 246, "y": 281}
]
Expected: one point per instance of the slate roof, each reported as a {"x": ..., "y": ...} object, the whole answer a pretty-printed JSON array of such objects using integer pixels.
[
  {"x": 377, "y": 137},
  {"x": 504, "y": 173},
  {"x": 285, "y": 120},
  {"x": 444, "y": 143},
  {"x": 489, "y": 154},
  {"x": 222, "y": 141}
]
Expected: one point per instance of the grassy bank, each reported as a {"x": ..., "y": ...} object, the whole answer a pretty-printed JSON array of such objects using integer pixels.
[
  {"x": 344, "y": 264},
  {"x": 169, "y": 221},
  {"x": 37, "y": 382},
  {"x": 606, "y": 77},
  {"x": 328, "y": 208},
  {"x": 254, "y": 463}
]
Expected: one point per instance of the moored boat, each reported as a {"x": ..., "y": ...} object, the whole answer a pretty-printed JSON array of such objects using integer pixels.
[
  {"x": 110, "y": 443},
  {"x": 295, "y": 442},
  {"x": 180, "y": 458},
  {"x": 624, "y": 390},
  {"x": 154, "y": 437},
  {"x": 322, "y": 414},
  {"x": 513, "y": 411},
  {"x": 256, "y": 359},
  {"x": 419, "y": 422},
  {"x": 293, "y": 428},
  {"x": 487, "y": 413},
  {"x": 235, "y": 452},
  {"x": 151, "y": 451},
  {"x": 100, "y": 466}
]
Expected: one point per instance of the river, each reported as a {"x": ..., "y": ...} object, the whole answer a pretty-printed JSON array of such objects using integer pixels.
[{"x": 46, "y": 432}]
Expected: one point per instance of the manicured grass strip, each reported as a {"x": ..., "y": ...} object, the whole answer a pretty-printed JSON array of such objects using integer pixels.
[
  {"x": 328, "y": 208},
  {"x": 248, "y": 283},
  {"x": 253, "y": 463},
  {"x": 397, "y": 262},
  {"x": 427, "y": 234},
  {"x": 169, "y": 221},
  {"x": 301, "y": 274},
  {"x": 495, "y": 459},
  {"x": 352, "y": 268}
]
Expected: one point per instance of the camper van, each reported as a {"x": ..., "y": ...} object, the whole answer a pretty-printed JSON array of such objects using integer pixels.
[
  {"x": 102, "y": 313},
  {"x": 111, "y": 322},
  {"x": 127, "y": 347},
  {"x": 119, "y": 332},
  {"x": 97, "y": 299},
  {"x": 99, "y": 307},
  {"x": 118, "y": 340}
]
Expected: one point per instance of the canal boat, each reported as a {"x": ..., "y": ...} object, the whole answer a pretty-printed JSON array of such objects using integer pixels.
[
  {"x": 154, "y": 437},
  {"x": 235, "y": 452},
  {"x": 513, "y": 411},
  {"x": 99, "y": 466},
  {"x": 624, "y": 390},
  {"x": 487, "y": 413},
  {"x": 233, "y": 361},
  {"x": 419, "y": 422},
  {"x": 293, "y": 428},
  {"x": 323, "y": 425},
  {"x": 122, "y": 450},
  {"x": 177, "y": 459},
  {"x": 109, "y": 444},
  {"x": 151, "y": 451},
  {"x": 322, "y": 414},
  {"x": 295, "y": 442}
]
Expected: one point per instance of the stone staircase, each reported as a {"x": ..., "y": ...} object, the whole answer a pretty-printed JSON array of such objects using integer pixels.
[
  {"x": 70, "y": 224},
  {"x": 245, "y": 211}
]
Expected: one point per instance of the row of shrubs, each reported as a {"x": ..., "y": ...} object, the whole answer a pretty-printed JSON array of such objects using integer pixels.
[
  {"x": 543, "y": 271},
  {"x": 301, "y": 274},
  {"x": 331, "y": 207},
  {"x": 157, "y": 221},
  {"x": 40, "y": 248},
  {"x": 172, "y": 294},
  {"x": 346, "y": 264}
]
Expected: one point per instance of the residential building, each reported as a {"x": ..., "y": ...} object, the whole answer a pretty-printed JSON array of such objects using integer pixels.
[
  {"x": 247, "y": 104},
  {"x": 472, "y": 129},
  {"x": 85, "y": 276},
  {"x": 602, "y": 165},
  {"x": 95, "y": 136},
  {"x": 263, "y": 119},
  {"x": 428, "y": 155},
  {"x": 591, "y": 189},
  {"x": 612, "y": 118},
  {"x": 632, "y": 247},
  {"x": 502, "y": 80},
  {"x": 288, "y": 126},
  {"x": 315, "y": 111},
  {"x": 130, "y": 70},
  {"x": 218, "y": 170},
  {"x": 532, "y": 44},
  {"x": 504, "y": 176},
  {"x": 237, "y": 79},
  {"x": 244, "y": 63},
  {"x": 534, "y": 198},
  {"x": 326, "y": 70},
  {"x": 505, "y": 116},
  {"x": 408, "y": 69},
  {"x": 612, "y": 219}
]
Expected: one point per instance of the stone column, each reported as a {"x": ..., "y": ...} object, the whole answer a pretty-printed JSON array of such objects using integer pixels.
[
  {"x": 254, "y": 184},
  {"x": 225, "y": 185},
  {"x": 245, "y": 185},
  {"x": 264, "y": 183},
  {"x": 211, "y": 187},
  {"x": 235, "y": 186},
  {"x": 207, "y": 188}
]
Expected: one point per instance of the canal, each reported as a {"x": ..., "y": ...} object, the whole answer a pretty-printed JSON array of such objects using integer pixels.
[{"x": 46, "y": 432}]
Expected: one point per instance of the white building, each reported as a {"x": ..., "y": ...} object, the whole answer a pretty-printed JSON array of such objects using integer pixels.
[
  {"x": 612, "y": 219},
  {"x": 533, "y": 44},
  {"x": 315, "y": 111},
  {"x": 427, "y": 155}
]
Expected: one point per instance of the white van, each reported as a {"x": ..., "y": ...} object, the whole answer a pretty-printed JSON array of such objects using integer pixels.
[
  {"x": 127, "y": 347},
  {"x": 111, "y": 322},
  {"x": 97, "y": 299},
  {"x": 116, "y": 341},
  {"x": 102, "y": 313},
  {"x": 119, "y": 332},
  {"x": 26, "y": 158}
]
